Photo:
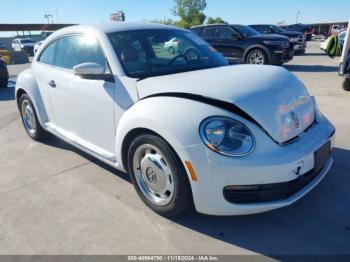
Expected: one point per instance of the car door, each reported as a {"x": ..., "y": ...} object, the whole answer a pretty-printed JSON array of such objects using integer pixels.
[
  {"x": 210, "y": 35},
  {"x": 83, "y": 109},
  {"x": 228, "y": 43}
]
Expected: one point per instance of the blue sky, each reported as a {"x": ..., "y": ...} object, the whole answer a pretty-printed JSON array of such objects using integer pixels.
[{"x": 235, "y": 11}]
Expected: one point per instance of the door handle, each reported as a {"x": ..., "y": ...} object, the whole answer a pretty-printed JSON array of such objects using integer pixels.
[{"x": 52, "y": 83}]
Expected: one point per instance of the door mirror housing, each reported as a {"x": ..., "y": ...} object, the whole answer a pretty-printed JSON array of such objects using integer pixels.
[
  {"x": 92, "y": 71},
  {"x": 88, "y": 69}
]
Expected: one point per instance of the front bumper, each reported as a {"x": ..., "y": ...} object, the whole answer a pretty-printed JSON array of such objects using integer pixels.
[
  {"x": 282, "y": 56},
  {"x": 29, "y": 49},
  {"x": 268, "y": 164},
  {"x": 299, "y": 47}
]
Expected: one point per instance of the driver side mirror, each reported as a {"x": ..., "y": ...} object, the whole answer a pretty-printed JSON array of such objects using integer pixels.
[{"x": 92, "y": 71}]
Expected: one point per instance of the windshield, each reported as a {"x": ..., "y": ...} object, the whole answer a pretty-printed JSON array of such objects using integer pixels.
[
  {"x": 276, "y": 29},
  {"x": 27, "y": 41},
  {"x": 146, "y": 53},
  {"x": 245, "y": 31}
]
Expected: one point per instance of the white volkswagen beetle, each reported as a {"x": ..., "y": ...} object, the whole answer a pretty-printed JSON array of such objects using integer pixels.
[{"x": 187, "y": 127}]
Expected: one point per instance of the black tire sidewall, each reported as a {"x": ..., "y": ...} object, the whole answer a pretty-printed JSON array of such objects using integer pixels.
[
  {"x": 40, "y": 133},
  {"x": 346, "y": 84},
  {"x": 182, "y": 199}
]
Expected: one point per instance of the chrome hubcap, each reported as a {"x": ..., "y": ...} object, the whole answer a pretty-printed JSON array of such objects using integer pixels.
[
  {"x": 256, "y": 58},
  {"x": 153, "y": 175},
  {"x": 28, "y": 117}
]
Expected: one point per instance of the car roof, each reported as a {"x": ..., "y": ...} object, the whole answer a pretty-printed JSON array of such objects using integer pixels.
[
  {"x": 202, "y": 26},
  {"x": 111, "y": 27},
  {"x": 262, "y": 25}
]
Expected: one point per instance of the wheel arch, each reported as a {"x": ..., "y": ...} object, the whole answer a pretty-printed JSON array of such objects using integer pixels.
[{"x": 26, "y": 84}]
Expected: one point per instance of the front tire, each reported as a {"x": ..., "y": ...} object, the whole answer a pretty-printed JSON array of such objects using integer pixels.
[
  {"x": 158, "y": 176},
  {"x": 30, "y": 120},
  {"x": 346, "y": 84},
  {"x": 256, "y": 57}
]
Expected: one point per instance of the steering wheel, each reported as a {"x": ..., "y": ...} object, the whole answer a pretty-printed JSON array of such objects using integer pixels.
[
  {"x": 192, "y": 54},
  {"x": 176, "y": 58}
]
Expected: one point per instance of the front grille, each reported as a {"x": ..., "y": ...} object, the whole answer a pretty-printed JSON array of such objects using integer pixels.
[
  {"x": 253, "y": 194},
  {"x": 301, "y": 39}
]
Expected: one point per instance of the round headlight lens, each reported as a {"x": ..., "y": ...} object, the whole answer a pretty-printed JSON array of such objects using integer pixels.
[{"x": 227, "y": 136}]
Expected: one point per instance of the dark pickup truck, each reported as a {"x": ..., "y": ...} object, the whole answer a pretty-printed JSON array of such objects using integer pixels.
[
  {"x": 297, "y": 39},
  {"x": 243, "y": 44}
]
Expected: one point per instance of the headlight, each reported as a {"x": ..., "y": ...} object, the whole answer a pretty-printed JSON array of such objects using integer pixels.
[{"x": 227, "y": 136}]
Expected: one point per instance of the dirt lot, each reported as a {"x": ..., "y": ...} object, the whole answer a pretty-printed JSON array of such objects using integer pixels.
[{"x": 57, "y": 200}]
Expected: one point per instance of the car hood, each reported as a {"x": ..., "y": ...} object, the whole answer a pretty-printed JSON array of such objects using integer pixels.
[
  {"x": 270, "y": 37},
  {"x": 270, "y": 95},
  {"x": 292, "y": 33}
]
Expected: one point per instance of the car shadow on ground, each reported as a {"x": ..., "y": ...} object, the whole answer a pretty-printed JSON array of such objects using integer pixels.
[
  {"x": 315, "y": 54},
  {"x": 7, "y": 94},
  {"x": 317, "y": 224},
  {"x": 312, "y": 68},
  {"x": 57, "y": 143}
]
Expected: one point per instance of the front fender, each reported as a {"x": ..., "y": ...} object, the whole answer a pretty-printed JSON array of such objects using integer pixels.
[
  {"x": 175, "y": 119},
  {"x": 26, "y": 82}
]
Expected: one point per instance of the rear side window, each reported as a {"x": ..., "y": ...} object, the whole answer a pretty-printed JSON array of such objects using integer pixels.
[
  {"x": 48, "y": 55},
  {"x": 226, "y": 32},
  {"x": 198, "y": 31},
  {"x": 210, "y": 32},
  {"x": 75, "y": 50}
]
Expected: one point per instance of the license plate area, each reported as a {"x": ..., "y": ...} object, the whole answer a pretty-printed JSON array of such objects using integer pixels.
[{"x": 322, "y": 156}]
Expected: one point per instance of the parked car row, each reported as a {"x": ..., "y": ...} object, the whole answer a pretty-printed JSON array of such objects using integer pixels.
[{"x": 254, "y": 44}]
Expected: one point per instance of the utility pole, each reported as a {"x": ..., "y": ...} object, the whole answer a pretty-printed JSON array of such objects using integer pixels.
[
  {"x": 57, "y": 19},
  {"x": 48, "y": 16},
  {"x": 297, "y": 18}
]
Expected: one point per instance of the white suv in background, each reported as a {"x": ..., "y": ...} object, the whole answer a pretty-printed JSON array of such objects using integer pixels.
[{"x": 25, "y": 44}]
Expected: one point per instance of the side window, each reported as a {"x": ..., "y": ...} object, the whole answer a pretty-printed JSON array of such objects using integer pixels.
[
  {"x": 48, "y": 55},
  {"x": 265, "y": 30},
  {"x": 198, "y": 31},
  {"x": 226, "y": 32},
  {"x": 75, "y": 50},
  {"x": 210, "y": 32}
]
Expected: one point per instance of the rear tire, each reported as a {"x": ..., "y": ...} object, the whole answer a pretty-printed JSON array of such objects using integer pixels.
[
  {"x": 30, "y": 120},
  {"x": 3, "y": 83},
  {"x": 158, "y": 176}
]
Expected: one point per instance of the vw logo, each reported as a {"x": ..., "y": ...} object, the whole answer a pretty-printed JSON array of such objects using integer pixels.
[
  {"x": 151, "y": 176},
  {"x": 295, "y": 119}
]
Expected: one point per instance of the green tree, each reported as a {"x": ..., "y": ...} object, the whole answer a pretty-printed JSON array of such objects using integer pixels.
[
  {"x": 217, "y": 20},
  {"x": 190, "y": 12}
]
